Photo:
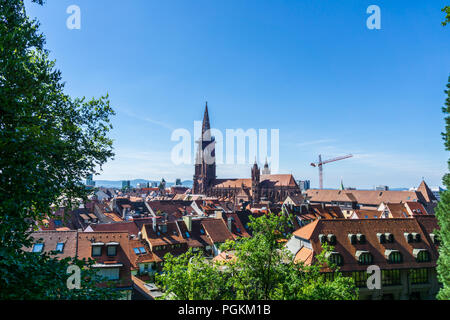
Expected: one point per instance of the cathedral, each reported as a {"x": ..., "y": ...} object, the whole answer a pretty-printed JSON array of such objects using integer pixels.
[{"x": 262, "y": 186}]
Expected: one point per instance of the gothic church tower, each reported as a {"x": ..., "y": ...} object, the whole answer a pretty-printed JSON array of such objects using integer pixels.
[{"x": 205, "y": 162}]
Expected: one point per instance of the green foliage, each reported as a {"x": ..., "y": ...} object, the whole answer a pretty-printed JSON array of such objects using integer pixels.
[
  {"x": 446, "y": 10},
  {"x": 263, "y": 269},
  {"x": 34, "y": 276},
  {"x": 190, "y": 277},
  {"x": 49, "y": 142},
  {"x": 442, "y": 213}
]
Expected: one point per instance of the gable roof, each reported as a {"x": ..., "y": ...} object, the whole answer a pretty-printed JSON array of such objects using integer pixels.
[
  {"x": 217, "y": 230},
  {"x": 368, "y": 197},
  {"x": 341, "y": 228},
  {"x": 84, "y": 251},
  {"x": 426, "y": 192},
  {"x": 51, "y": 238}
]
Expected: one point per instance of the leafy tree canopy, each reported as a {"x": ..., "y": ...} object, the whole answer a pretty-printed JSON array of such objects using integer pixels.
[
  {"x": 49, "y": 142},
  {"x": 262, "y": 269},
  {"x": 442, "y": 213}
]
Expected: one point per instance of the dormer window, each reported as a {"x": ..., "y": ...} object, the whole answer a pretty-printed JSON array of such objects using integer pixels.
[
  {"x": 409, "y": 237},
  {"x": 416, "y": 237},
  {"x": 352, "y": 238},
  {"x": 434, "y": 238},
  {"x": 421, "y": 255},
  {"x": 322, "y": 238},
  {"x": 364, "y": 257},
  {"x": 112, "y": 251},
  {"x": 389, "y": 237},
  {"x": 361, "y": 238},
  {"x": 393, "y": 256},
  {"x": 381, "y": 237},
  {"x": 335, "y": 258},
  {"x": 97, "y": 249},
  {"x": 331, "y": 239}
]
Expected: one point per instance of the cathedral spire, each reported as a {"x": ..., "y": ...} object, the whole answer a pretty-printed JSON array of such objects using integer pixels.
[{"x": 206, "y": 126}]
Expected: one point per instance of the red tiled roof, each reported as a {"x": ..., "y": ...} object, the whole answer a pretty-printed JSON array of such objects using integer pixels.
[
  {"x": 341, "y": 228},
  {"x": 85, "y": 240}
]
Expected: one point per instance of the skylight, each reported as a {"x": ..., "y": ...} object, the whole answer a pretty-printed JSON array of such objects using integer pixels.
[
  {"x": 202, "y": 231},
  {"x": 187, "y": 235},
  {"x": 136, "y": 250},
  {"x": 38, "y": 247},
  {"x": 60, "y": 247},
  {"x": 142, "y": 250}
]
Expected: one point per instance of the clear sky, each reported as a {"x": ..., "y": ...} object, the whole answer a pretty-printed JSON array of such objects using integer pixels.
[{"x": 311, "y": 69}]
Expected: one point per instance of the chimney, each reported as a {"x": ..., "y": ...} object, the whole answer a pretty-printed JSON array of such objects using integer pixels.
[
  {"x": 219, "y": 215},
  {"x": 188, "y": 221},
  {"x": 154, "y": 223},
  {"x": 230, "y": 220},
  {"x": 140, "y": 235}
]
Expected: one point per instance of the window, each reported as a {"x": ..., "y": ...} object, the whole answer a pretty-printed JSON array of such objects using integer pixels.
[
  {"x": 360, "y": 278},
  {"x": 335, "y": 258},
  {"x": 142, "y": 250},
  {"x": 421, "y": 255},
  {"x": 416, "y": 237},
  {"x": 409, "y": 237},
  {"x": 136, "y": 250},
  {"x": 331, "y": 239},
  {"x": 96, "y": 251},
  {"x": 60, "y": 247},
  {"x": 434, "y": 238},
  {"x": 418, "y": 276},
  {"x": 390, "y": 277},
  {"x": 322, "y": 238},
  {"x": 364, "y": 257},
  {"x": 202, "y": 231},
  {"x": 187, "y": 235},
  {"x": 381, "y": 237},
  {"x": 393, "y": 256},
  {"x": 112, "y": 251},
  {"x": 389, "y": 237},
  {"x": 38, "y": 247},
  {"x": 352, "y": 238},
  {"x": 361, "y": 238},
  {"x": 110, "y": 273}
]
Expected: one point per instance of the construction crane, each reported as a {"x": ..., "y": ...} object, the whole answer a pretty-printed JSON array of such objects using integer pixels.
[{"x": 320, "y": 164}]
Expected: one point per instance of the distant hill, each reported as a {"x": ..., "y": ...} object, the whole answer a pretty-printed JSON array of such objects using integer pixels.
[{"x": 133, "y": 183}]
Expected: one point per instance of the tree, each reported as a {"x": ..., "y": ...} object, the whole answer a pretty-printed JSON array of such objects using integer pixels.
[
  {"x": 446, "y": 10},
  {"x": 190, "y": 277},
  {"x": 262, "y": 269},
  {"x": 443, "y": 213},
  {"x": 49, "y": 142}
]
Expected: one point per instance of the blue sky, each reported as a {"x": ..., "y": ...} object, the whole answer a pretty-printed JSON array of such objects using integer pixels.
[{"x": 311, "y": 69}]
